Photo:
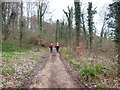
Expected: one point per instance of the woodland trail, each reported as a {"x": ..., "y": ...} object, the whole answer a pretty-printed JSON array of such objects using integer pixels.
[{"x": 52, "y": 73}]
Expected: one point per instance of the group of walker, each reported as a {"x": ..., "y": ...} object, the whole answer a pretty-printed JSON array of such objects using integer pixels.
[{"x": 57, "y": 46}]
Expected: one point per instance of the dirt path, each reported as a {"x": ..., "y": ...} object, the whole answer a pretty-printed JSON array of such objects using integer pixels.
[{"x": 52, "y": 73}]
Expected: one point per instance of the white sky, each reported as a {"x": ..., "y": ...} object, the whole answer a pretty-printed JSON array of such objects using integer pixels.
[{"x": 57, "y": 6}]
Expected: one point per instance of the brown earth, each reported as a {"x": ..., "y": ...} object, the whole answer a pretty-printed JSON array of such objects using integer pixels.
[{"x": 53, "y": 72}]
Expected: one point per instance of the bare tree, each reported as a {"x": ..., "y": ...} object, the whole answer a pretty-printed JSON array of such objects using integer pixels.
[
  {"x": 69, "y": 16},
  {"x": 8, "y": 16},
  {"x": 91, "y": 12},
  {"x": 103, "y": 29},
  {"x": 42, "y": 7}
]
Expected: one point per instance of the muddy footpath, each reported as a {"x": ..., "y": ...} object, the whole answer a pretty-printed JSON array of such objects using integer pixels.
[{"x": 53, "y": 72}]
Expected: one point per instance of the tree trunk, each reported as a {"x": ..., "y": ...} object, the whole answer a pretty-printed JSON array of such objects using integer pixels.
[
  {"x": 77, "y": 21},
  {"x": 40, "y": 18},
  {"x": 0, "y": 17},
  {"x": 5, "y": 22},
  {"x": 90, "y": 23},
  {"x": 56, "y": 33},
  {"x": 118, "y": 28},
  {"x": 84, "y": 30},
  {"x": 21, "y": 24}
]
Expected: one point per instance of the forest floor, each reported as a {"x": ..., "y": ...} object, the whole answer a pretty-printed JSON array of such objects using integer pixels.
[
  {"x": 95, "y": 69},
  {"x": 37, "y": 68},
  {"x": 53, "y": 72},
  {"x": 18, "y": 63}
]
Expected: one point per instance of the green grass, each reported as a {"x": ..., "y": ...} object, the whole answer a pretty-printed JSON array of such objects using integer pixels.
[
  {"x": 90, "y": 71},
  {"x": 93, "y": 71},
  {"x": 13, "y": 54},
  {"x": 19, "y": 84},
  {"x": 1, "y": 66},
  {"x": 21, "y": 62},
  {"x": 67, "y": 54},
  {"x": 65, "y": 51},
  {"x": 27, "y": 73},
  {"x": 101, "y": 86},
  {"x": 4, "y": 83},
  {"x": 75, "y": 65},
  {"x": 9, "y": 70},
  {"x": 12, "y": 47},
  {"x": 8, "y": 56},
  {"x": 9, "y": 49}
]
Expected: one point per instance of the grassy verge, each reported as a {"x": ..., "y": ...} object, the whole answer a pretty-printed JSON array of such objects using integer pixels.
[
  {"x": 17, "y": 63},
  {"x": 96, "y": 71}
]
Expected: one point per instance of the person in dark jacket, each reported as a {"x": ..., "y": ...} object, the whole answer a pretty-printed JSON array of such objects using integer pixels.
[
  {"x": 51, "y": 47},
  {"x": 57, "y": 46}
]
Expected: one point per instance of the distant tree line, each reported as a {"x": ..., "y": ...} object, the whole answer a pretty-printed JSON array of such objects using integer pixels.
[{"x": 19, "y": 25}]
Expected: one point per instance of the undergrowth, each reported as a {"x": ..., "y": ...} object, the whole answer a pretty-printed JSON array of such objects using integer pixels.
[
  {"x": 8, "y": 50},
  {"x": 17, "y": 63},
  {"x": 93, "y": 69},
  {"x": 11, "y": 47}
]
